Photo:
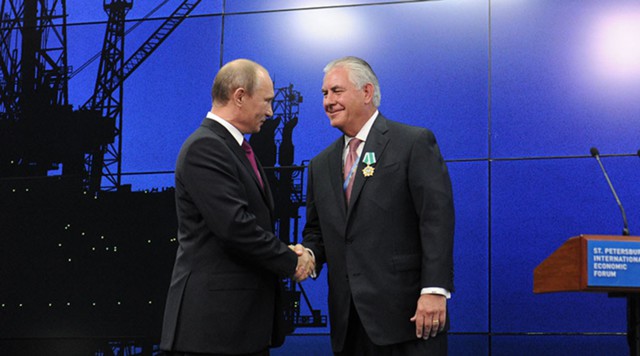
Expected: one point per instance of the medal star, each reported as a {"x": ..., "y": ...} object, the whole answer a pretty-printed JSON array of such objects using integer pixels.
[{"x": 368, "y": 171}]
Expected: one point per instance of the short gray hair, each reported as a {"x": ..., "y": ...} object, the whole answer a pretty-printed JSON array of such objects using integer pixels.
[
  {"x": 360, "y": 73},
  {"x": 240, "y": 73}
]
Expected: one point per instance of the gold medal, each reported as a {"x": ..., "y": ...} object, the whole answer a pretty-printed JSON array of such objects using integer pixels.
[
  {"x": 369, "y": 159},
  {"x": 368, "y": 171}
]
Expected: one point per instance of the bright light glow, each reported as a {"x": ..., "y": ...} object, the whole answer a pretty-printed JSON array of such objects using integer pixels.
[
  {"x": 616, "y": 41},
  {"x": 327, "y": 28}
]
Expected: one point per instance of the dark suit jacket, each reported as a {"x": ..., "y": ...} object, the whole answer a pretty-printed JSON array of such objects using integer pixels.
[
  {"x": 223, "y": 296},
  {"x": 395, "y": 238}
]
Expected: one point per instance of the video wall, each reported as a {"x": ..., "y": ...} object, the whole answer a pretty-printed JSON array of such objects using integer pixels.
[{"x": 516, "y": 92}]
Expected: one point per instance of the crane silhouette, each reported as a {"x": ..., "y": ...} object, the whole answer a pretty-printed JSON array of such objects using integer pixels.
[{"x": 39, "y": 129}]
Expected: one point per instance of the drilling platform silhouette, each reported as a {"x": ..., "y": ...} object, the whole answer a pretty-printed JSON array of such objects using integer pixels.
[{"x": 85, "y": 261}]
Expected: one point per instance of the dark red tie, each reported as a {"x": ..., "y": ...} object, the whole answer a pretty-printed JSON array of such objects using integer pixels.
[{"x": 252, "y": 159}]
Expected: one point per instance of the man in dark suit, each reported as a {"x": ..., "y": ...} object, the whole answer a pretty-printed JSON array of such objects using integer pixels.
[
  {"x": 224, "y": 292},
  {"x": 384, "y": 227}
]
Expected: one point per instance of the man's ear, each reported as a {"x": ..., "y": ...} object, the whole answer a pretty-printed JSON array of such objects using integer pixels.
[
  {"x": 368, "y": 90},
  {"x": 239, "y": 96}
]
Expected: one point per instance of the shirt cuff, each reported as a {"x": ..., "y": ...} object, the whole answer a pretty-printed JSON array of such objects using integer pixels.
[
  {"x": 313, "y": 273},
  {"x": 436, "y": 290}
]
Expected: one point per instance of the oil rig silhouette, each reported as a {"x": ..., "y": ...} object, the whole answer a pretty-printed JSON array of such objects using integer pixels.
[{"x": 85, "y": 261}]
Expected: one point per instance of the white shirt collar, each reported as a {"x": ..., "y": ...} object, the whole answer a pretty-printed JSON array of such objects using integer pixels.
[
  {"x": 364, "y": 131},
  {"x": 237, "y": 135}
]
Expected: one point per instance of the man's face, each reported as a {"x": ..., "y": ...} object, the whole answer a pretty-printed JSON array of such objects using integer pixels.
[
  {"x": 343, "y": 103},
  {"x": 257, "y": 107}
]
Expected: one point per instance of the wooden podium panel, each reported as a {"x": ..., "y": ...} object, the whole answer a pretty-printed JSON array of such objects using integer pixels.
[{"x": 566, "y": 269}]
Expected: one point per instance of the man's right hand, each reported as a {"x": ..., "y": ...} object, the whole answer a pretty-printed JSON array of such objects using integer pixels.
[{"x": 306, "y": 263}]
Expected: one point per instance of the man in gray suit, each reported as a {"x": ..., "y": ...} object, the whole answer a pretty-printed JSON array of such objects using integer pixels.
[
  {"x": 224, "y": 297},
  {"x": 383, "y": 225}
]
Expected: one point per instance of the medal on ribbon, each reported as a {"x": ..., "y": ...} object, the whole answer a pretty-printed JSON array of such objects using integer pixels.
[{"x": 369, "y": 159}]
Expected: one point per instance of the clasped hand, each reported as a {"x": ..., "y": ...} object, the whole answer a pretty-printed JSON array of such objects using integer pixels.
[{"x": 306, "y": 263}]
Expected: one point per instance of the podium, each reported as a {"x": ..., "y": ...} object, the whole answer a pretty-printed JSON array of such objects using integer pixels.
[{"x": 597, "y": 263}]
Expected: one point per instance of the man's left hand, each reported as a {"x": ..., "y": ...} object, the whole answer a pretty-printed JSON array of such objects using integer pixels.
[{"x": 430, "y": 316}]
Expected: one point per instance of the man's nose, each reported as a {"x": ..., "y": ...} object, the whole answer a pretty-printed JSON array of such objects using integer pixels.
[{"x": 329, "y": 99}]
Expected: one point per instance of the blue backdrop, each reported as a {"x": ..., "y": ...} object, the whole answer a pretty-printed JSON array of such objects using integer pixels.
[{"x": 517, "y": 92}]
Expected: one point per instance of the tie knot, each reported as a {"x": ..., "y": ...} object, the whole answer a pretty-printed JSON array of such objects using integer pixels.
[
  {"x": 354, "y": 143},
  {"x": 246, "y": 147}
]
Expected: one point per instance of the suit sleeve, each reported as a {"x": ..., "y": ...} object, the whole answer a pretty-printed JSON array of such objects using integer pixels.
[
  {"x": 212, "y": 177},
  {"x": 312, "y": 234},
  {"x": 432, "y": 195}
]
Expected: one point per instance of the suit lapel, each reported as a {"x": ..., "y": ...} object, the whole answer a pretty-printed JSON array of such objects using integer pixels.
[
  {"x": 266, "y": 191},
  {"x": 239, "y": 152},
  {"x": 335, "y": 171},
  {"x": 376, "y": 143}
]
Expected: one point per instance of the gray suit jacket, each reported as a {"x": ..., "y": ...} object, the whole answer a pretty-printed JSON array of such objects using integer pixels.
[{"x": 394, "y": 238}]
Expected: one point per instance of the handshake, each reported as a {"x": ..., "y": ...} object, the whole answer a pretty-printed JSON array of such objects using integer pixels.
[{"x": 306, "y": 263}]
